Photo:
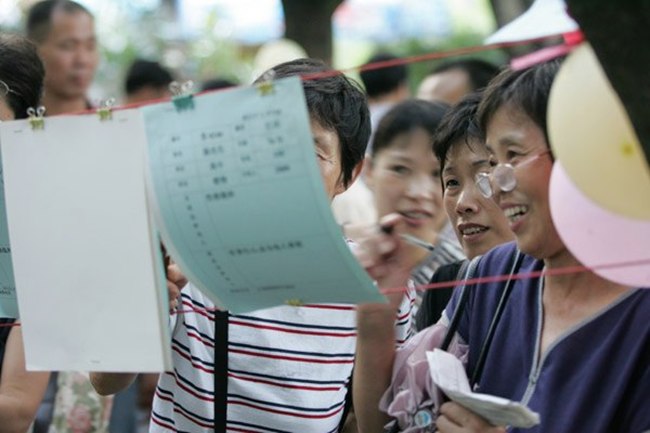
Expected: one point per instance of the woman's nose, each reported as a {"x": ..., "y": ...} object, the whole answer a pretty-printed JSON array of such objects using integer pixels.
[{"x": 422, "y": 187}]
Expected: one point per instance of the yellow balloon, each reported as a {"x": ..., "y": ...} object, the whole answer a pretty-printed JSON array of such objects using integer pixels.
[{"x": 591, "y": 134}]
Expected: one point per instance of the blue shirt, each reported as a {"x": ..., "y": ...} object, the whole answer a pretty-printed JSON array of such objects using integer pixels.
[{"x": 594, "y": 378}]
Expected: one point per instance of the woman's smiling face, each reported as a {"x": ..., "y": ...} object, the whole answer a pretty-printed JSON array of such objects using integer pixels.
[
  {"x": 514, "y": 138},
  {"x": 478, "y": 222},
  {"x": 404, "y": 178}
]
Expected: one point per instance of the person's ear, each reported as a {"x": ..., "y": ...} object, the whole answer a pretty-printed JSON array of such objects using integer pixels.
[{"x": 341, "y": 187}]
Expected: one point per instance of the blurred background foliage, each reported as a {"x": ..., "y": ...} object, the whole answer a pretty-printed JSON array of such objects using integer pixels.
[{"x": 202, "y": 39}]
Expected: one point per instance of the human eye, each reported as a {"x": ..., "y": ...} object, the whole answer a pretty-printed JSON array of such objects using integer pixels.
[
  {"x": 451, "y": 183},
  {"x": 512, "y": 155},
  {"x": 67, "y": 45},
  {"x": 322, "y": 156},
  {"x": 318, "y": 149},
  {"x": 399, "y": 169}
]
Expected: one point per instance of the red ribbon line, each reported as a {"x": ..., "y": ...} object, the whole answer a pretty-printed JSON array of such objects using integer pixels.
[
  {"x": 566, "y": 270},
  {"x": 367, "y": 67},
  {"x": 387, "y": 64}
]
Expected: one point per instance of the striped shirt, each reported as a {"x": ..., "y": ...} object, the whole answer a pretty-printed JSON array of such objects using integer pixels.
[{"x": 289, "y": 368}]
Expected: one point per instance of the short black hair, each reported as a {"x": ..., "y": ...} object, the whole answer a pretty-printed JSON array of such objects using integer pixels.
[
  {"x": 479, "y": 72},
  {"x": 217, "y": 83},
  {"x": 381, "y": 81},
  {"x": 22, "y": 71},
  {"x": 337, "y": 103},
  {"x": 526, "y": 90},
  {"x": 406, "y": 117},
  {"x": 146, "y": 73},
  {"x": 459, "y": 125},
  {"x": 39, "y": 17}
]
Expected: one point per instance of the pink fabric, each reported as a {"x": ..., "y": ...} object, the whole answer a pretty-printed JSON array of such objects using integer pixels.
[{"x": 411, "y": 386}]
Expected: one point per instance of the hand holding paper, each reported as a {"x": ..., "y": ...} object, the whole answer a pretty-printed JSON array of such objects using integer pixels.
[{"x": 449, "y": 375}]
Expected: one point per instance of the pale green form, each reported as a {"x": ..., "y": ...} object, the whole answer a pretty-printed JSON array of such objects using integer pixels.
[{"x": 240, "y": 202}]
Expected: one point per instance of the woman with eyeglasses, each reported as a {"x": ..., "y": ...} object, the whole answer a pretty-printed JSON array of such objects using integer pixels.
[
  {"x": 573, "y": 347},
  {"x": 21, "y": 85}
]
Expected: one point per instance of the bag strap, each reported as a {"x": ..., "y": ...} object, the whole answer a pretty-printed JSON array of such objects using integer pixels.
[
  {"x": 220, "y": 370},
  {"x": 468, "y": 270},
  {"x": 516, "y": 260}
]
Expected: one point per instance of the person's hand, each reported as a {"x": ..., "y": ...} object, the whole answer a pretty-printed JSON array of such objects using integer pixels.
[
  {"x": 382, "y": 253},
  {"x": 356, "y": 231},
  {"x": 175, "y": 282},
  {"x": 454, "y": 418}
]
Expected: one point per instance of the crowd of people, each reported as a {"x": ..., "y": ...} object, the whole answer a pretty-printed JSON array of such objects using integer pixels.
[{"x": 575, "y": 348}]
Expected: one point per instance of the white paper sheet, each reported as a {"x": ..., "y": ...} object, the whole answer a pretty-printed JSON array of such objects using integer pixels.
[
  {"x": 85, "y": 261},
  {"x": 449, "y": 375}
]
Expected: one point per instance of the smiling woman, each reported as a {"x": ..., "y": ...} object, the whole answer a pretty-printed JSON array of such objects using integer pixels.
[
  {"x": 404, "y": 176},
  {"x": 561, "y": 344},
  {"x": 478, "y": 221}
]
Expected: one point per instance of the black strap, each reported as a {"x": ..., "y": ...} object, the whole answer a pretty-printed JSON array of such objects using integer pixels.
[
  {"x": 220, "y": 370},
  {"x": 348, "y": 404},
  {"x": 434, "y": 302},
  {"x": 480, "y": 363},
  {"x": 4, "y": 335},
  {"x": 468, "y": 269}
]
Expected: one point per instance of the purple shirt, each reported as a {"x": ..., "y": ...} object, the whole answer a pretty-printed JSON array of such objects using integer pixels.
[{"x": 594, "y": 378}]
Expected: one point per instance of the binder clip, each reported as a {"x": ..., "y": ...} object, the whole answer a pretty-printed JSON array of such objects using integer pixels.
[
  {"x": 182, "y": 96},
  {"x": 294, "y": 302},
  {"x": 266, "y": 86},
  {"x": 105, "y": 109},
  {"x": 36, "y": 117}
]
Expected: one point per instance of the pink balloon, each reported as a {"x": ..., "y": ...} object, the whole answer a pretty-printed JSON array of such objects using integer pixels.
[{"x": 596, "y": 236}]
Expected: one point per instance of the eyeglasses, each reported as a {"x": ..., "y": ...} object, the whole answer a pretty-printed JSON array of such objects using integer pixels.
[
  {"x": 503, "y": 176},
  {"x": 4, "y": 89}
]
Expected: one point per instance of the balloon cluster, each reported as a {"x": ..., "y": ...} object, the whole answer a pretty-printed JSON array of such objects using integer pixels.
[{"x": 600, "y": 185}]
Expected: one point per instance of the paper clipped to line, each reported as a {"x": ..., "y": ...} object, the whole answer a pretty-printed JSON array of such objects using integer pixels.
[
  {"x": 449, "y": 375},
  {"x": 239, "y": 199},
  {"x": 85, "y": 258}
]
